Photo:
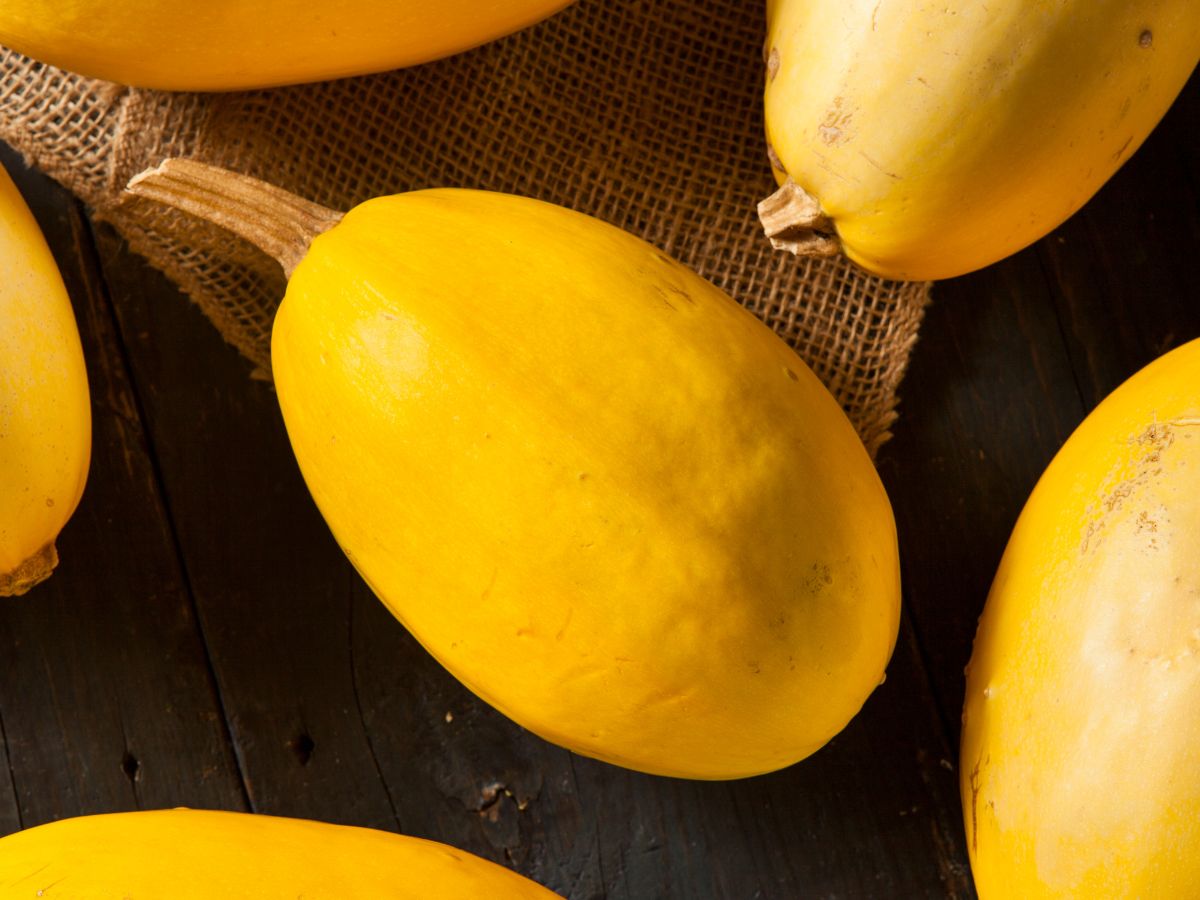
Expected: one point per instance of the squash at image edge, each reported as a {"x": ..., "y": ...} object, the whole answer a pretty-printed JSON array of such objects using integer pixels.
[
  {"x": 1080, "y": 769},
  {"x": 221, "y": 45},
  {"x": 927, "y": 140},
  {"x": 186, "y": 854},
  {"x": 45, "y": 412}
]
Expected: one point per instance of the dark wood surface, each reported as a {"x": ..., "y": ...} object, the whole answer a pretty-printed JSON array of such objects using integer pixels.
[{"x": 205, "y": 643}]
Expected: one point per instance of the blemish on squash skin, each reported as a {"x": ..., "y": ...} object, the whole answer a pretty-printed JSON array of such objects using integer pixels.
[
  {"x": 682, "y": 293},
  {"x": 1121, "y": 151},
  {"x": 662, "y": 295},
  {"x": 879, "y": 166},
  {"x": 820, "y": 578},
  {"x": 773, "y": 63},
  {"x": 1146, "y": 39},
  {"x": 563, "y": 629},
  {"x": 1156, "y": 438},
  {"x": 487, "y": 591},
  {"x": 975, "y": 787},
  {"x": 774, "y": 160},
  {"x": 835, "y": 127}
]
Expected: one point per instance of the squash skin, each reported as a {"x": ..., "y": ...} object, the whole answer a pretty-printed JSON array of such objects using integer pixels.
[
  {"x": 239, "y": 44},
  {"x": 45, "y": 411},
  {"x": 1081, "y": 738},
  {"x": 942, "y": 137},
  {"x": 189, "y": 854},
  {"x": 603, "y": 495}
]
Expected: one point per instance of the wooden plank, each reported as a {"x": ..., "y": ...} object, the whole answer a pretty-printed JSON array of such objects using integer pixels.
[
  {"x": 106, "y": 697},
  {"x": 1125, "y": 273},
  {"x": 872, "y": 814},
  {"x": 1009, "y": 362},
  {"x": 338, "y": 714},
  {"x": 273, "y": 589},
  {"x": 989, "y": 398}
]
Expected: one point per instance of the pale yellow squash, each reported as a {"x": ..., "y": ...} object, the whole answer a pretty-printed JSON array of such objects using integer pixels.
[
  {"x": 45, "y": 415},
  {"x": 219, "y": 45},
  {"x": 184, "y": 854},
  {"x": 1081, "y": 733},
  {"x": 935, "y": 138},
  {"x": 606, "y": 497}
]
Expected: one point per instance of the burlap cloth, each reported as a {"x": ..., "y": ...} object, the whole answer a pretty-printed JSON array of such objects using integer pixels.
[{"x": 646, "y": 113}]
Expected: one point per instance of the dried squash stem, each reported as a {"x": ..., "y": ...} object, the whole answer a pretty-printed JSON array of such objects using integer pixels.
[
  {"x": 276, "y": 221},
  {"x": 793, "y": 220},
  {"x": 30, "y": 573}
]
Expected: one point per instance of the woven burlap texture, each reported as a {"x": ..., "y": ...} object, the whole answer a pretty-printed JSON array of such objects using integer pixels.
[{"x": 645, "y": 114}]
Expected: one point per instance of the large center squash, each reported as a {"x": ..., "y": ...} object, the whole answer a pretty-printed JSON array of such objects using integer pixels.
[{"x": 602, "y": 494}]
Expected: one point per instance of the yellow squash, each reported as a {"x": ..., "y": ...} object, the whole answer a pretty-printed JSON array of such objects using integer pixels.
[
  {"x": 1081, "y": 735},
  {"x": 926, "y": 139},
  {"x": 185, "y": 854},
  {"x": 45, "y": 416},
  {"x": 605, "y": 496},
  {"x": 219, "y": 45}
]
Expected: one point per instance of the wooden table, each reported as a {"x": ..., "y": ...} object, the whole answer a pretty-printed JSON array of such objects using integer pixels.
[{"x": 205, "y": 643}]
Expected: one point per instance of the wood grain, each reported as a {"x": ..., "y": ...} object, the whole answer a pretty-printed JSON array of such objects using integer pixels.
[
  {"x": 1013, "y": 357},
  {"x": 206, "y": 643},
  {"x": 106, "y": 696},
  {"x": 337, "y": 713}
]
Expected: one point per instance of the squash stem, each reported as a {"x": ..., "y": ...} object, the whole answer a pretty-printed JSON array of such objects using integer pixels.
[
  {"x": 792, "y": 219},
  {"x": 276, "y": 221},
  {"x": 30, "y": 573}
]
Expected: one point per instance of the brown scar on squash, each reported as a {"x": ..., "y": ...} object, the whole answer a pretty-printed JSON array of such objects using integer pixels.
[
  {"x": 975, "y": 787},
  {"x": 773, "y": 158},
  {"x": 835, "y": 127},
  {"x": 877, "y": 165},
  {"x": 1156, "y": 438}
]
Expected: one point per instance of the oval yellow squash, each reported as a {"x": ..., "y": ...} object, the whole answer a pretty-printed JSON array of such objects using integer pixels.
[
  {"x": 606, "y": 497},
  {"x": 45, "y": 414},
  {"x": 219, "y": 45},
  {"x": 926, "y": 140},
  {"x": 1081, "y": 733},
  {"x": 185, "y": 854}
]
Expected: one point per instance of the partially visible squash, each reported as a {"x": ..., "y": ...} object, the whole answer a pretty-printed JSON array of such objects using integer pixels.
[
  {"x": 1080, "y": 768},
  {"x": 926, "y": 140},
  {"x": 45, "y": 413},
  {"x": 185, "y": 854},
  {"x": 606, "y": 497},
  {"x": 221, "y": 45}
]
